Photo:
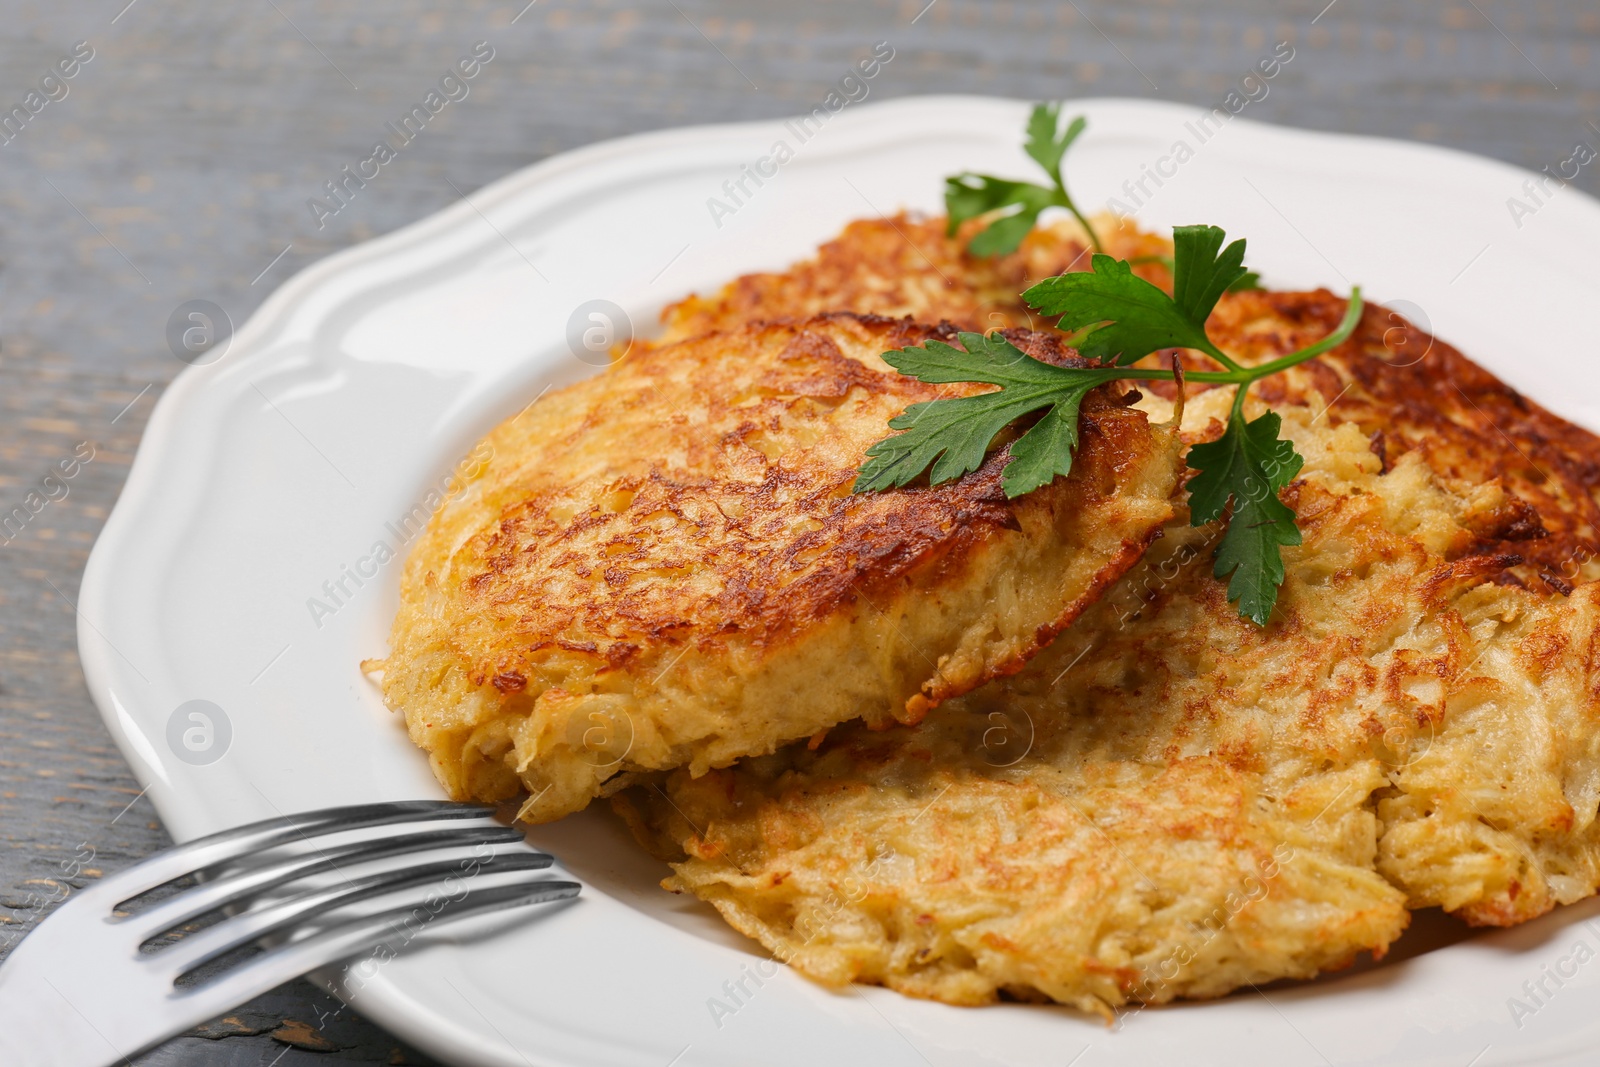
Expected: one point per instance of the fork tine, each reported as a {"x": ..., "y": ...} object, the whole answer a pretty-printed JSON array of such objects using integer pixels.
[
  {"x": 279, "y": 965},
  {"x": 240, "y": 886},
  {"x": 206, "y": 945},
  {"x": 209, "y": 851}
]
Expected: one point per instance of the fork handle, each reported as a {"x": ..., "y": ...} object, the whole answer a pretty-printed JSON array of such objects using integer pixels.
[{"x": 40, "y": 1027}]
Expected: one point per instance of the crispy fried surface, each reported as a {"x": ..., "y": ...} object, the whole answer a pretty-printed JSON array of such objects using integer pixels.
[
  {"x": 1410, "y": 392},
  {"x": 1205, "y": 803},
  {"x": 1171, "y": 802},
  {"x": 664, "y": 565},
  {"x": 907, "y": 266}
]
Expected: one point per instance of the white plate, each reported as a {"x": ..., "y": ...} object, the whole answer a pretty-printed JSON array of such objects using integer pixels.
[{"x": 362, "y": 381}]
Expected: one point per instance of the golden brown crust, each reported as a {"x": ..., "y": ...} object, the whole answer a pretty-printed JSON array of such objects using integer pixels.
[
  {"x": 772, "y": 519},
  {"x": 655, "y": 562},
  {"x": 907, "y": 265}
]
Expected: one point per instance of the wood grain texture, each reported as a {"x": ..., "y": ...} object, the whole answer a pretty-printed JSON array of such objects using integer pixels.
[{"x": 179, "y": 163}]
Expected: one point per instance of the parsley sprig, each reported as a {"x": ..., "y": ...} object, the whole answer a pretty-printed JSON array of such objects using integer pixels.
[
  {"x": 969, "y": 195},
  {"x": 1118, "y": 319}
]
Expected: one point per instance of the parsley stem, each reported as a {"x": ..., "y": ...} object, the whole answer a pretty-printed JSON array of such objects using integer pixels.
[
  {"x": 1238, "y": 402},
  {"x": 1341, "y": 334},
  {"x": 1222, "y": 357},
  {"x": 1242, "y": 375},
  {"x": 1218, "y": 377},
  {"x": 1066, "y": 201}
]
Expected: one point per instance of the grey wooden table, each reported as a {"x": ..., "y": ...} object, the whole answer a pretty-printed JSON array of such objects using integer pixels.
[{"x": 176, "y": 162}]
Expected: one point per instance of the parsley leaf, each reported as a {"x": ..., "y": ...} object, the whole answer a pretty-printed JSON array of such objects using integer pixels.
[
  {"x": 952, "y": 436},
  {"x": 969, "y": 196},
  {"x": 1248, "y": 280},
  {"x": 1203, "y": 270},
  {"x": 1140, "y": 318},
  {"x": 1047, "y": 142},
  {"x": 1247, "y": 465}
]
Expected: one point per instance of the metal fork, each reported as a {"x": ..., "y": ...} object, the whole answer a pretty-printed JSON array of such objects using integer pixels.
[{"x": 86, "y": 989}]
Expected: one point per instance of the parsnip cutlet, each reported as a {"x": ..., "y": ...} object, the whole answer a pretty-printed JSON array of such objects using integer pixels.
[
  {"x": 664, "y": 565},
  {"x": 1419, "y": 726},
  {"x": 1171, "y": 801}
]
